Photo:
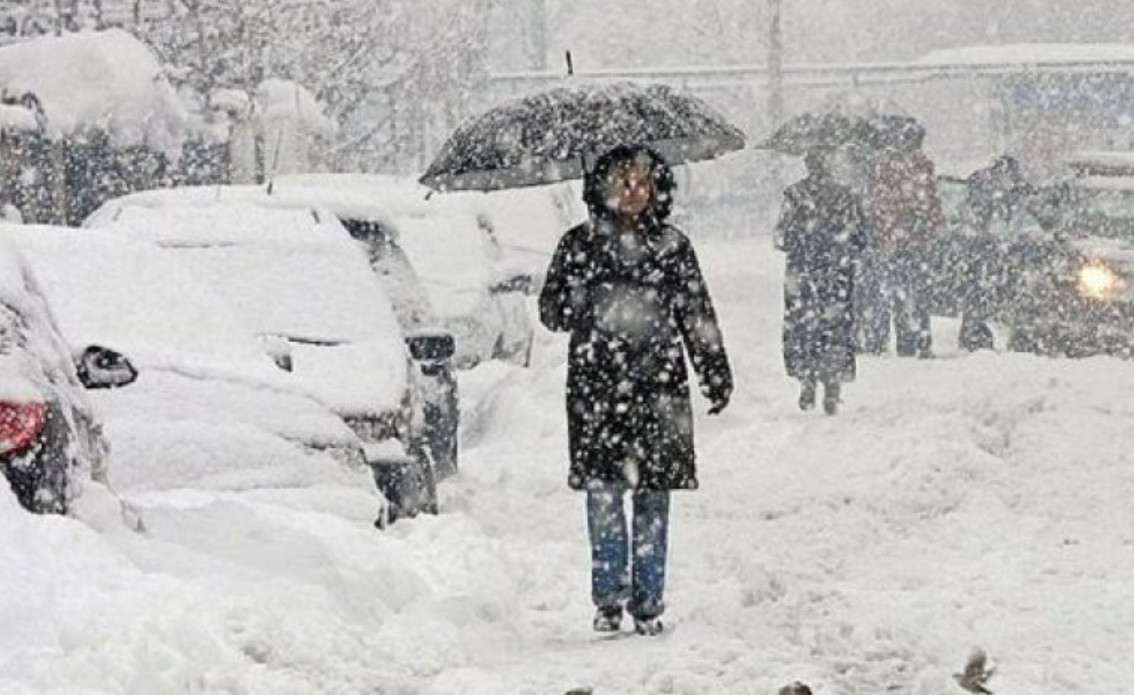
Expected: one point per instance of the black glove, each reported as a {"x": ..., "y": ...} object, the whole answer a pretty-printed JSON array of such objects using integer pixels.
[{"x": 718, "y": 403}]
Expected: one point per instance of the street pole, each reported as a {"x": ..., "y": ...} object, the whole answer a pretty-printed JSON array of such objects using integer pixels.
[
  {"x": 539, "y": 36},
  {"x": 775, "y": 64},
  {"x": 775, "y": 82}
]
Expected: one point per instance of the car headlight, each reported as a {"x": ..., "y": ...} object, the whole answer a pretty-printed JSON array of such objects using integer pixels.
[{"x": 1097, "y": 281}]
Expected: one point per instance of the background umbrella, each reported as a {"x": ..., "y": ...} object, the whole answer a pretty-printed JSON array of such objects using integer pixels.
[
  {"x": 894, "y": 130},
  {"x": 554, "y": 135},
  {"x": 888, "y": 123},
  {"x": 817, "y": 131},
  {"x": 848, "y": 120}
]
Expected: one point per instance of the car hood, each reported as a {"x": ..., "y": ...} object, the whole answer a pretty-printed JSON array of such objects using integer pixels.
[{"x": 170, "y": 430}]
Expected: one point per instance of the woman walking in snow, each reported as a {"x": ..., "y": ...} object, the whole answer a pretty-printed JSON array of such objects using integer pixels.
[
  {"x": 821, "y": 232},
  {"x": 628, "y": 288}
]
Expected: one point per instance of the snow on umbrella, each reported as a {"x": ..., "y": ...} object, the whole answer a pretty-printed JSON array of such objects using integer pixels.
[
  {"x": 887, "y": 123},
  {"x": 554, "y": 135},
  {"x": 895, "y": 130},
  {"x": 846, "y": 120},
  {"x": 817, "y": 131}
]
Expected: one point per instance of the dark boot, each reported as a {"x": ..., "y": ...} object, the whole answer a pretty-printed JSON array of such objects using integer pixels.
[
  {"x": 608, "y": 619},
  {"x": 975, "y": 334},
  {"x": 650, "y": 627},
  {"x": 831, "y": 390},
  {"x": 806, "y": 394}
]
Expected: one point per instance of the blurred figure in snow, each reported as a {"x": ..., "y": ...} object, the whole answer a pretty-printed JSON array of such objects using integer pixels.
[
  {"x": 905, "y": 220},
  {"x": 997, "y": 194},
  {"x": 627, "y": 286},
  {"x": 997, "y": 199},
  {"x": 822, "y": 231}
]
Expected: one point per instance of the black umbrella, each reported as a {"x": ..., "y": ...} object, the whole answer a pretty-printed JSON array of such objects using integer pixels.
[
  {"x": 887, "y": 123},
  {"x": 555, "y": 135},
  {"x": 896, "y": 130},
  {"x": 818, "y": 131},
  {"x": 848, "y": 119}
]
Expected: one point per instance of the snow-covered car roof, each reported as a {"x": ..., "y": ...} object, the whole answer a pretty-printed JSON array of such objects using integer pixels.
[
  {"x": 288, "y": 270},
  {"x": 442, "y": 236},
  {"x": 526, "y": 219},
  {"x": 291, "y": 269},
  {"x": 107, "y": 80},
  {"x": 137, "y": 299},
  {"x": 134, "y": 298}
]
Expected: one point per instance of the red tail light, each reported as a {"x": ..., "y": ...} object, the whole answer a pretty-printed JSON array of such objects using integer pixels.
[{"x": 20, "y": 424}]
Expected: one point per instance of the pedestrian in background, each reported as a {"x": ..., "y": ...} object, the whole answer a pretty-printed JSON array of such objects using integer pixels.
[{"x": 821, "y": 232}]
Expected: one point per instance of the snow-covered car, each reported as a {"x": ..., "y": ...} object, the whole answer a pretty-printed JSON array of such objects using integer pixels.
[
  {"x": 1057, "y": 276},
  {"x": 296, "y": 279},
  {"x": 208, "y": 409},
  {"x": 51, "y": 441},
  {"x": 439, "y": 256}
]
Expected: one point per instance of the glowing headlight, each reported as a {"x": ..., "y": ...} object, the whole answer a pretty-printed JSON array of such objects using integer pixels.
[{"x": 1096, "y": 281}]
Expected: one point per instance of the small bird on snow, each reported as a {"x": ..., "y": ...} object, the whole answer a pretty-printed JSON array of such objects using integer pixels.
[{"x": 976, "y": 674}]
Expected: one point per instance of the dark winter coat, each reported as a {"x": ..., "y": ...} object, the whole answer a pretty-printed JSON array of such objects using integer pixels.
[
  {"x": 996, "y": 191},
  {"x": 822, "y": 231},
  {"x": 905, "y": 204},
  {"x": 631, "y": 312}
]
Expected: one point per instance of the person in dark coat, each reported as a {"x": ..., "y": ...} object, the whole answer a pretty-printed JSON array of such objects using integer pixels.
[
  {"x": 906, "y": 221},
  {"x": 627, "y": 286},
  {"x": 996, "y": 195},
  {"x": 821, "y": 231}
]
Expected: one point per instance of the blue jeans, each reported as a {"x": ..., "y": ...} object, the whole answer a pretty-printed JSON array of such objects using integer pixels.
[{"x": 612, "y": 579}]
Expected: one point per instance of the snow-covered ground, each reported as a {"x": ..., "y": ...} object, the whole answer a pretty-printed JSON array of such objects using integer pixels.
[{"x": 965, "y": 501}]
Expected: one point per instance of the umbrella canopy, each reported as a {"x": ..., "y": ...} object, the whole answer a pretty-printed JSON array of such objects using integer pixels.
[
  {"x": 895, "y": 130},
  {"x": 817, "y": 131},
  {"x": 888, "y": 123},
  {"x": 845, "y": 120},
  {"x": 555, "y": 135}
]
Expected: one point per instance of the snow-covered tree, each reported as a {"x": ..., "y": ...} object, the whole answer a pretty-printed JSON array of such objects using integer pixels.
[{"x": 389, "y": 73}]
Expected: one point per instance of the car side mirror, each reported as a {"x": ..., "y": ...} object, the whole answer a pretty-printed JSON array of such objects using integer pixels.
[
  {"x": 431, "y": 346},
  {"x": 278, "y": 348},
  {"x": 103, "y": 368}
]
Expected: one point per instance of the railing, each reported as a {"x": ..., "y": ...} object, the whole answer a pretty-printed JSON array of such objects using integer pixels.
[{"x": 829, "y": 75}]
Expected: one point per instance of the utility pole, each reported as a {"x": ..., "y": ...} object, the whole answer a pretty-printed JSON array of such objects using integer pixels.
[
  {"x": 775, "y": 65},
  {"x": 539, "y": 35},
  {"x": 775, "y": 84}
]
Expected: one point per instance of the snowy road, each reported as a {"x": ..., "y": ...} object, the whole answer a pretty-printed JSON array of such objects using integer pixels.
[
  {"x": 963, "y": 501},
  {"x": 970, "y": 500}
]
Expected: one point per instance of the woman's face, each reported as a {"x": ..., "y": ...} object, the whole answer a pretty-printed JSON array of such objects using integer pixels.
[{"x": 629, "y": 187}]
